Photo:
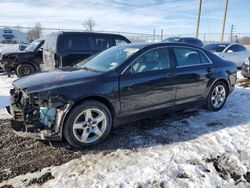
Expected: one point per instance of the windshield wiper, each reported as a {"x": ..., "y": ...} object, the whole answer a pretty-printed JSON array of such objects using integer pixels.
[{"x": 86, "y": 68}]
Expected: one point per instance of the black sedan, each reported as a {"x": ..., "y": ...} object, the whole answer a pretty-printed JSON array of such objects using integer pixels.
[{"x": 121, "y": 84}]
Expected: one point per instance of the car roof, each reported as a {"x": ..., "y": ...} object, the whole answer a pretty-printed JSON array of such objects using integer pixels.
[
  {"x": 159, "y": 44},
  {"x": 87, "y": 33}
]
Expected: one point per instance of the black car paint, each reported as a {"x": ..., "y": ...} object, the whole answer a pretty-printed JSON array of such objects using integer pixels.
[
  {"x": 10, "y": 61},
  {"x": 124, "y": 94}
]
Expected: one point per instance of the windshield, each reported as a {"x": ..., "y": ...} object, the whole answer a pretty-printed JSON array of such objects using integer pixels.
[
  {"x": 32, "y": 47},
  {"x": 108, "y": 59},
  {"x": 215, "y": 47}
]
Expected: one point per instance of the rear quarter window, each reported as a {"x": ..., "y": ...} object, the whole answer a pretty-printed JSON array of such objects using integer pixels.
[
  {"x": 75, "y": 43},
  {"x": 204, "y": 59}
]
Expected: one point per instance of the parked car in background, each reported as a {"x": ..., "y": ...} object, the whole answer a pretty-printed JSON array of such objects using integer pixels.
[
  {"x": 25, "y": 62},
  {"x": 186, "y": 40},
  {"x": 245, "y": 70},
  {"x": 236, "y": 53},
  {"x": 69, "y": 48},
  {"x": 120, "y": 84}
]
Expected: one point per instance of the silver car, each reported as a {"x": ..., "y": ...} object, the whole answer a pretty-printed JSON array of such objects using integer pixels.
[{"x": 229, "y": 51}]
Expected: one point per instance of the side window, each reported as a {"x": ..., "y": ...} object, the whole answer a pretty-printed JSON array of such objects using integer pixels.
[
  {"x": 236, "y": 48},
  {"x": 99, "y": 43},
  {"x": 153, "y": 60},
  {"x": 76, "y": 42},
  {"x": 119, "y": 42},
  {"x": 186, "y": 57}
]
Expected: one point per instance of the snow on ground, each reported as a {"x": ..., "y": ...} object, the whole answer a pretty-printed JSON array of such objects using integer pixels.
[
  {"x": 5, "y": 86},
  {"x": 208, "y": 149}
]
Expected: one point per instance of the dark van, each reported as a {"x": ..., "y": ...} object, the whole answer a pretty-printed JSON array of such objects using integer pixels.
[
  {"x": 24, "y": 62},
  {"x": 69, "y": 48}
]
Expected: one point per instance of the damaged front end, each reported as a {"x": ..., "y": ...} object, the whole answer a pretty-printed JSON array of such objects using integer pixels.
[
  {"x": 7, "y": 62},
  {"x": 38, "y": 115}
]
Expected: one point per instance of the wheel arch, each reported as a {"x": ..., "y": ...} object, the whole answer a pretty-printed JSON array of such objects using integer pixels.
[
  {"x": 221, "y": 79},
  {"x": 100, "y": 99}
]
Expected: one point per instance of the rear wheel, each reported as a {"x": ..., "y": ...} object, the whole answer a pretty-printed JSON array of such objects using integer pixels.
[
  {"x": 217, "y": 96},
  {"x": 24, "y": 69},
  {"x": 87, "y": 124}
]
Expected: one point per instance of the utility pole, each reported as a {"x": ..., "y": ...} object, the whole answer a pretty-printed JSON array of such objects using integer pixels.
[
  {"x": 232, "y": 31},
  {"x": 224, "y": 21},
  {"x": 198, "y": 20},
  {"x": 154, "y": 36},
  {"x": 161, "y": 34}
]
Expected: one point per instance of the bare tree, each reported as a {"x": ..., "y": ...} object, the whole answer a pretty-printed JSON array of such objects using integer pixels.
[
  {"x": 245, "y": 40},
  {"x": 35, "y": 32},
  {"x": 89, "y": 24}
]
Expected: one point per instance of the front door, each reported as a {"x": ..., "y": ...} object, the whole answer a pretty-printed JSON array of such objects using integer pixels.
[{"x": 148, "y": 84}]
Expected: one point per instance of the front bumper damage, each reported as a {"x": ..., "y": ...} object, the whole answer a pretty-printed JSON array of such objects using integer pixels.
[
  {"x": 37, "y": 116},
  {"x": 7, "y": 64}
]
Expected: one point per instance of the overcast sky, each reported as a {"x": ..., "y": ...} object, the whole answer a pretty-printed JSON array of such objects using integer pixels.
[{"x": 174, "y": 16}]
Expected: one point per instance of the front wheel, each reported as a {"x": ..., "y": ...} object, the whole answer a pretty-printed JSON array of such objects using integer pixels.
[
  {"x": 217, "y": 96},
  {"x": 87, "y": 124},
  {"x": 24, "y": 69}
]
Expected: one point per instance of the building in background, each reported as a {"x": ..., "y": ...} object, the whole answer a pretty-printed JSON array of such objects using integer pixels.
[{"x": 8, "y": 35}]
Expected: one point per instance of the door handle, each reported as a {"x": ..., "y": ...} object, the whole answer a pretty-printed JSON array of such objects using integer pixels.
[{"x": 170, "y": 75}]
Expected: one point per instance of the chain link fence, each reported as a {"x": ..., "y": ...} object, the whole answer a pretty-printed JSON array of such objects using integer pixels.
[{"x": 142, "y": 37}]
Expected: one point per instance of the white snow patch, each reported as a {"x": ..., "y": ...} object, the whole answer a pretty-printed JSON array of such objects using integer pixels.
[{"x": 5, "y": 86}]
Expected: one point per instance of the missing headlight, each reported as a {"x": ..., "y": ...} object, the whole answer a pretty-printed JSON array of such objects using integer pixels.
[{"x": 47, "y": 116}]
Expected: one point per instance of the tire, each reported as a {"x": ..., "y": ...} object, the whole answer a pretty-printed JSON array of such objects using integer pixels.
[
  {"x": 82, "y": 128},
  {"x": 219, "y": 98},
  {"x": 24, "y": 69}
]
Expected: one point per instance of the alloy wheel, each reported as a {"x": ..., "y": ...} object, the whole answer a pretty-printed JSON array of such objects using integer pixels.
[
  {"x": 90, "y": 125},
  {"x": 25, "y": 70},
  {"x": 218, "y": 96}
]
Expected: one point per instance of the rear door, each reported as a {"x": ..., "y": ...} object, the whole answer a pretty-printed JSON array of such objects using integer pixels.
[
  {"x": 147, "y": 84},
  {"x": 73, "y": 48},
  {"x": 49, "y": 52},
  {"x": 192, "y": 73}
]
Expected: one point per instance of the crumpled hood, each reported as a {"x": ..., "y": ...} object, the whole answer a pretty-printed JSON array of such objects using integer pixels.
[
  {"x": 12, "y": 53},
  {"x": 8, "y": 53},
  {"x": 49, "y": 80}
]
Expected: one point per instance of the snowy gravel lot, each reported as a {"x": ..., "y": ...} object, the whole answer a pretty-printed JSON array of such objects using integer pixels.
[{"x": 198, "y": 149}]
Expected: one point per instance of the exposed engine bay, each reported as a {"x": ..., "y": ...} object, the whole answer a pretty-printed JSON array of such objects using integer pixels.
[{"x": 37, "y": 115}]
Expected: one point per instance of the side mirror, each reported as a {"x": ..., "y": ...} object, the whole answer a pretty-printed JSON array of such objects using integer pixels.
[{"x": 230, "y": 51}]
